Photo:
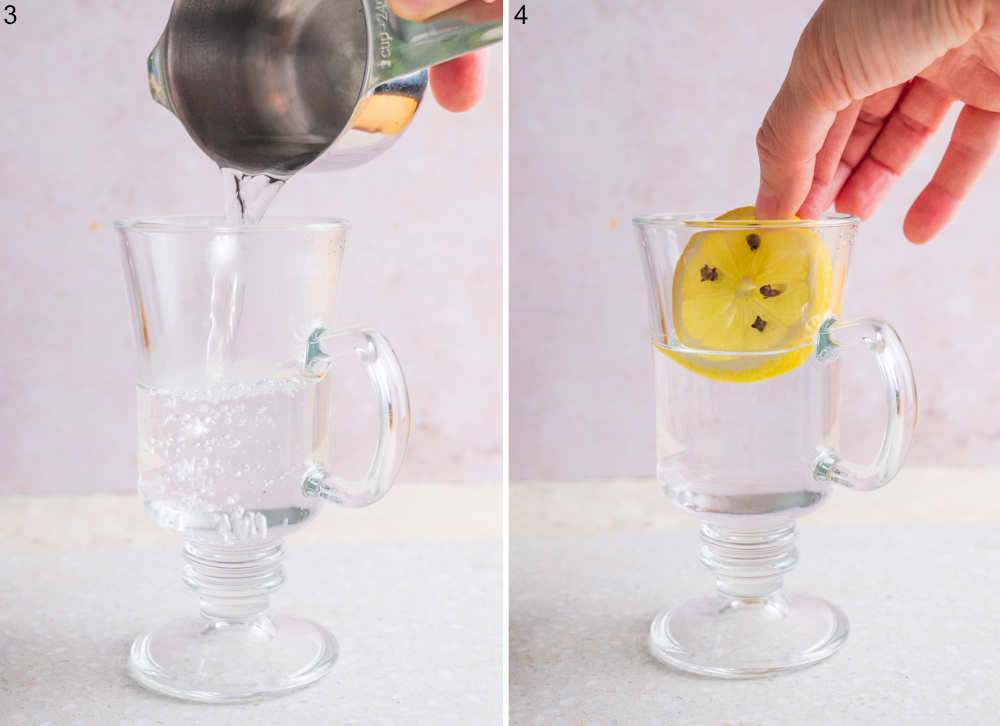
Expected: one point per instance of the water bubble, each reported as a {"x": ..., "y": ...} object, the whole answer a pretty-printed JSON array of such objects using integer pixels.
[
  {"x": 222, "y": 440},
  {"x": 260, "y": 524}
]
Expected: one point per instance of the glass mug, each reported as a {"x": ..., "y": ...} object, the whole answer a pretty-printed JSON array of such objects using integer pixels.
[
  {"x": 233, "y": 352},
  {"x": 747, "y": 436}
]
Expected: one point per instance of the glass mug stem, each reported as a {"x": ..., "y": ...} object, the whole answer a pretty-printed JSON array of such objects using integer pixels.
[
  {"x": 749, "y": 565},
  {"x": 900, "y": 394},
  {"x": 233, "y": 585},
  {"x": 377, "y": 356}
]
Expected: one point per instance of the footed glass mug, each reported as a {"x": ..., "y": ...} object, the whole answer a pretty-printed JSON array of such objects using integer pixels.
[
  {"x": 233, "y": 357},
  {"x": 745, "y": 347}
]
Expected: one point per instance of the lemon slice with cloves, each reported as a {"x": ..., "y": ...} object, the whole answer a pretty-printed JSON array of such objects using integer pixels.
[{"x": 758, "y": 290}]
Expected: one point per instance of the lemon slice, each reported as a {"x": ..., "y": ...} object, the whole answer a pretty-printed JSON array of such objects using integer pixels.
[{"x": 759, "y": 292}]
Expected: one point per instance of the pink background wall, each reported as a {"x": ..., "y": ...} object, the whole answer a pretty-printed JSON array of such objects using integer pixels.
[
  {"x": 622, "y": 107},
  {"x": 83, "y": 144}
]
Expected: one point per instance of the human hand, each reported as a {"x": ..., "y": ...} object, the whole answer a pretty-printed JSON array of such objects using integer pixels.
[
  {"x": 869, "y": 84},
  {"x": 458, "y": 84}
]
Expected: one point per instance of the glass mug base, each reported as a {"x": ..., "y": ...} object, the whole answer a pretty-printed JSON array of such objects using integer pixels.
[
  {"x": 730, "y": 638},
  {"x": 218, "y": 661}
]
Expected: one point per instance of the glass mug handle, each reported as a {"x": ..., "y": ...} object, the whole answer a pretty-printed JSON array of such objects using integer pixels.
[
  {"x": 901, "y": 399},
  {"x": 378, "y": 358}
]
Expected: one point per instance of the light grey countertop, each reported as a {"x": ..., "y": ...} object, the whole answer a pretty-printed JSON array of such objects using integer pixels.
[
  {"x": 916, "y": 567},
  {"x": 410, "y": 587}
]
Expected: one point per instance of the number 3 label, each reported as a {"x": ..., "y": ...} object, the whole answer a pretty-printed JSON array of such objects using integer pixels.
[{"x": 11, "y": 17}]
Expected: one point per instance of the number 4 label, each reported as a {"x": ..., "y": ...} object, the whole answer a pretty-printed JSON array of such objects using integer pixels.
[{"x": 521, "y": 15}]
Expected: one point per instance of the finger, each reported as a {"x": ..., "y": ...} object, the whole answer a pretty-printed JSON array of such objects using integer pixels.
[
  {"x": 423, "y": 9},
  {"x": 823, "y": 191},
  {"x": 833, "y": 148},
  {"x": 973, "y": 143},
  {"x": 458, "y": 85},
  {"x": 792, "y": 133},
  {"x": 916, "y": 117},
  {"x": 871, "y": 118}
]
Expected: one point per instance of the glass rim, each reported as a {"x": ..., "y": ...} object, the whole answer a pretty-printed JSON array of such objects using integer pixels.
[
  {"x": 708, "y": 220},
  {"x": 205, "y": 223}
]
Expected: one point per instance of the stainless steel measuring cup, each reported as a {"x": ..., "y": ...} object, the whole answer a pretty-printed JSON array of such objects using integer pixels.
[{"x": 271, "y": 86}]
